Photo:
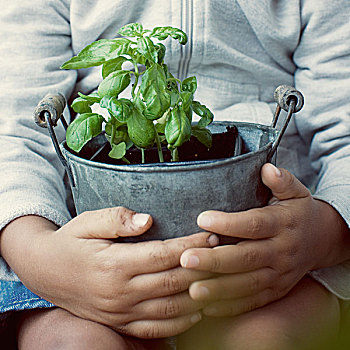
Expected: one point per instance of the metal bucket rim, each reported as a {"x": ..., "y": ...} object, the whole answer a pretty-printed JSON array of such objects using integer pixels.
[{"x": 175, "y": 166}]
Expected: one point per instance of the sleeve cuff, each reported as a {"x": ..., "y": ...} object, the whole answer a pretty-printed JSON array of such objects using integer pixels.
[{"x": 336, "y": 279}]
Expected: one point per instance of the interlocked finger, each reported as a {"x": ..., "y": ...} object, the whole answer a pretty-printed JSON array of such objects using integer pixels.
[
  {"x": 252, "y": 224},
  {"x": 150, "y": 329},
  {"x": 156, "y": 256},
  {"x": 169, "y": 307},
  {"x": 238, "y": 306},
  {"x": 243, "y": 257},
  {"x": 234, "y": 285},
  {"x": 164, "y": 283}
]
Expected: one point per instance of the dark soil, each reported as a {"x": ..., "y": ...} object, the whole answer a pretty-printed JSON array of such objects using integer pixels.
[{"x": 225, "y": 145}]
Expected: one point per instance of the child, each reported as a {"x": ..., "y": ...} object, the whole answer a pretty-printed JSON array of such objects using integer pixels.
[{"x": 295, "y": 266}]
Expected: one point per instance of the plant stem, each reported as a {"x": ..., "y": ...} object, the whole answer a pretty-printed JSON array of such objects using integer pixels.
[
  {"x": 159, "y": 146},
  {"x": 136, "y": 79},
  {"x": 175, "y": 79},
  {"x": 125, "y": 160},
  {"x": 174, "y": 155},
  {"x": 114, "y": 129},
  {"x": 142, "y": 155}
]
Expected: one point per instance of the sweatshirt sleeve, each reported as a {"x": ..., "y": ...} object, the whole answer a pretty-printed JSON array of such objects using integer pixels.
[
  {"x": 34, "y": 42},
  {"x": 323, "y": 76}
]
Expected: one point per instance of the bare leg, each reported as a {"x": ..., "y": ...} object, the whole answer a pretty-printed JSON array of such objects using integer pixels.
[
  {"x": 307, "y": 318},
  {"x": 58, "y": 329}
]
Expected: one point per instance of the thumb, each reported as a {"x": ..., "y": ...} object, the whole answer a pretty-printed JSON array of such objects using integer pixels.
[
  {"x": 282, "y": 183},
  {"x": 109, "y": 223}
]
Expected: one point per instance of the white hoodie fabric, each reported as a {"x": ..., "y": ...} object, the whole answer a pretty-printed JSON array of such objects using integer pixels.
[{"x": 240, "y": 52}]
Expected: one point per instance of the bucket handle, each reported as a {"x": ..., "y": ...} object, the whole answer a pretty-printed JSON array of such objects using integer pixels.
[
  {"x": 47, "y": 113},
  {"x": 292, "y": 101}
]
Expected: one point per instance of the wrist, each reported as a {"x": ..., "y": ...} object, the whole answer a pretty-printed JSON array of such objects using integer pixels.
[{"x": 21, "y": 241}]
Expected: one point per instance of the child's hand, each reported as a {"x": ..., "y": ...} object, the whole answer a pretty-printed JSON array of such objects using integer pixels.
[
  {"x": 138, "y": 289},
  {"x": 284, "y": 240}
]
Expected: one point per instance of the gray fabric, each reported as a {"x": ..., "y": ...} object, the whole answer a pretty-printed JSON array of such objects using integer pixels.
[{"x": 239, "y": 51}]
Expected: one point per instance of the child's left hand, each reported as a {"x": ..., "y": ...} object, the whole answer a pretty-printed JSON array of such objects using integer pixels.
[{"x": 294, "y": 234}]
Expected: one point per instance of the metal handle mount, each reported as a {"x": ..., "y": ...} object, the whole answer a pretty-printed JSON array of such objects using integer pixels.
[
  {"x": 46, "y": 115},
  {"x": 291, "y": 100}
]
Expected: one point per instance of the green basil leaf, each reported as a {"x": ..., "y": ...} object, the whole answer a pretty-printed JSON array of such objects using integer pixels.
[
  {"x": 123, "y": 47},
  {"x": 138, "y": 103},
  {"x": 161, "y": 33},
  {"x": 85, "y": 127},
  {"x": 114, "y": 83},
  {"x": 160, "y": 52},
  {"x": 154, "y": 92},
  {"x": 118, "y": 151},
  {"x": 147, "y": 49},
  {"x": 202, "y": 135},
  {"x": 189, "y": 85},
  {"x": 112, "y": 65},
  {"x": 204, "y": 112},
  {"x": 141, "y": 130},
  {"x": 137, "y": 57},
  {"x": 81, "y": 105},
  {"x": 172, "y": 88},
  {"x": 131, "y": 29},
  {"x": 97, "y": 53},
  {"x": 178, "y": 128},
  {"x": 120, "y": 109},
  {"x": 92, "y": 98},
  {"x": 187, "y": 98}
]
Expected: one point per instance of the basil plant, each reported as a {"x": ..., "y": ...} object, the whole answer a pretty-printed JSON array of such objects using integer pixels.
[{"x": 160, "y": 108}]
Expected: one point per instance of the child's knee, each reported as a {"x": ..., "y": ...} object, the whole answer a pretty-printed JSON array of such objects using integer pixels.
[
  {"x": 58, "y": 329},
  {"x": 259, "y": 338}
]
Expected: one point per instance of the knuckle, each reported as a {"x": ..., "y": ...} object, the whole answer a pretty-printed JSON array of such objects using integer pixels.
[
  {"x": 216, "y": 263},
  {"x": 250, "y": 258},
  {"x": 171, "y": 283},
  {"x": 290, "y": 221},
  {"x": 252, "y": 305},
  {"x": 106, "y": 305},
  {"x": 291, "y": 252},
  {"x": 150, "y": 332},
  {"x": 272, "y": 294},
  {"x": 106, "y": 300},
  {"x": 161, "y": 256},
  {"x": 169, "y": 309},
  {"x": 255, "y": 225},
  {"x": 114, "y": 218},
  {"x": 254, "y": 283}
]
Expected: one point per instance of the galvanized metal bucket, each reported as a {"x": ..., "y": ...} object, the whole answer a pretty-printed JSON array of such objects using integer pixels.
[{"x": 176, "y": 193}]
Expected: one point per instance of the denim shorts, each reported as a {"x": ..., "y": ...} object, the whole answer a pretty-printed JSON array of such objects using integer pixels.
[{"x": 15, "y": 297}]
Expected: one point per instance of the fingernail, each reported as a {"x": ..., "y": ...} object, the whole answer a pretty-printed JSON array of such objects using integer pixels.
[
  {"x": 277, "y": 171},
  {"x": 210, "y": 310},
  {"x": 196, "y": 317},
  {"x": 202, "y": 292},
  {"x": 213, "y": 240},
  {"x": 140, "y": 220},
  {"x": 204, "y": 220},
  {"x": 189, "y": 261}
]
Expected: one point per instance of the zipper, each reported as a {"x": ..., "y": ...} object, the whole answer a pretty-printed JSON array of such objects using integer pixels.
[{"x": 187, "y": 27}]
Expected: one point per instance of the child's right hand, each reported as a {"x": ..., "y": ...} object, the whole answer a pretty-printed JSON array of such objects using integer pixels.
[{"x": 138, "y": 289}]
